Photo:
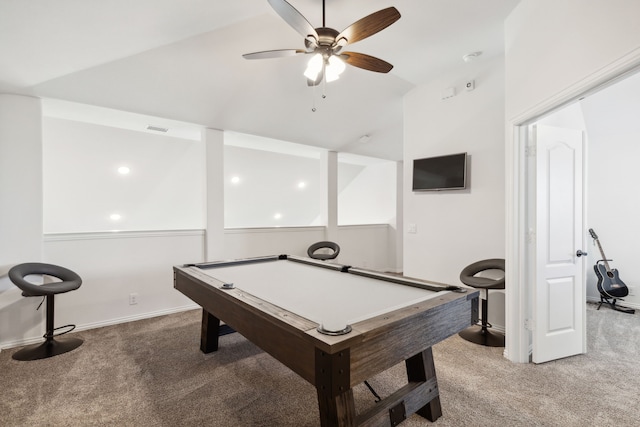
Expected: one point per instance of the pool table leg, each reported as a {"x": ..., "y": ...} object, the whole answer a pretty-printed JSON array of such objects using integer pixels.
[
  {"x": 210, "y": 331},
  {"x": 337, "y": 411},
  {"x": 335, "y": 396},
  {"x": 420, "y": 368}
]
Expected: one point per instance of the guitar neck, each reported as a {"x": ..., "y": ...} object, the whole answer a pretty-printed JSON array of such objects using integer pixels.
[{"x": 604, "y": 258}]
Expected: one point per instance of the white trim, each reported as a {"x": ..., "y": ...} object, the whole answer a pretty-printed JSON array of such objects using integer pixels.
[
  {"x": 294, "y": 229},
  {"x": 110, "y": 322},
  {"x": 517, "y": 347},
  {"x": 273, "y": 229},
  {"x": 62, "y": 237},
  {"x": 365, "y": 226},
  {"x": 518, "y": 337},
  {"x": 95, "y": 235},
  {"x": 605, "y": 76}
]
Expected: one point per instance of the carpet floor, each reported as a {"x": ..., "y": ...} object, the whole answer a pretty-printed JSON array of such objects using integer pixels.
[{"x": 151, "y": 373}]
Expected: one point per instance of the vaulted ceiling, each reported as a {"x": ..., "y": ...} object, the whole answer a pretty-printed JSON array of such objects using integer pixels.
[{"x": 182, "y": 60}]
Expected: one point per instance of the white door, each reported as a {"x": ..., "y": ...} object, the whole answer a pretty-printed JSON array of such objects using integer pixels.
[{"x": 559, "y": 303}]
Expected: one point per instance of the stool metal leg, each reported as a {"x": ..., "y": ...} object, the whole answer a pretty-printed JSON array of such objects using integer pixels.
[
  {"x": 50, "y": 347},
  {"x": 481, "y": 334}
]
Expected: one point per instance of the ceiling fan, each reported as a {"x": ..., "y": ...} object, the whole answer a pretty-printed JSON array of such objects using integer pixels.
[{"x": 326, "y": 44}]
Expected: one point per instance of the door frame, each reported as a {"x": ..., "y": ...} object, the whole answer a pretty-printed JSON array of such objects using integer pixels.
[{"x": 520, "y": 271}]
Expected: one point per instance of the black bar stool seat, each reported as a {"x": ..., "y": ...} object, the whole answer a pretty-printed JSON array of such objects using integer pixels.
[{"x": 333, "y": 247}]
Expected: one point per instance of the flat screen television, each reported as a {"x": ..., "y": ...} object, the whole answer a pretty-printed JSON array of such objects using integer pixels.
[{"x": 440, "y": 173}]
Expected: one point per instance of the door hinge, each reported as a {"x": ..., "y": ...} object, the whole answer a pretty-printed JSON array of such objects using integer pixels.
[
  {"x": 528, "y": 325},
  {"x": 531, "y": 236},
  {"x": 530, "y": 151}
]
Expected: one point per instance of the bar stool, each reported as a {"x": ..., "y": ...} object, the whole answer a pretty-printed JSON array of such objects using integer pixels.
[
  {"x": 69, "y": 281},
  {"x": 332, "y": 246},
  {"x": 481, "y": 334}
]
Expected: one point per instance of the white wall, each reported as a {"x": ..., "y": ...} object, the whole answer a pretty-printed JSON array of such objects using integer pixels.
[
  {"x": 115, "y": 265},
  {"x": 269, "y": 173},
  {"x": 268, "y": 185},
  {"x": 368, "y": 246},
  {"x": 246, "y": 243},
  {"x": 370, "y": 196},
  {"x": 360, "y": 245},
  {"x": 164, "y": 189},
  {"x": 214, "y": 233},
  {"x": 20, "y": 209},
  {"x": 456, "y": 228},
  {"x": 552, "y": 45}
]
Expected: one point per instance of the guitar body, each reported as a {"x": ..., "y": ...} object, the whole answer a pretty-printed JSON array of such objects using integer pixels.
[{"x": 609, "y": 282}]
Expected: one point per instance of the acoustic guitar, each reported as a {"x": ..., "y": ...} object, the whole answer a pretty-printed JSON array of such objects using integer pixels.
[{"x": 609, "y": 283}]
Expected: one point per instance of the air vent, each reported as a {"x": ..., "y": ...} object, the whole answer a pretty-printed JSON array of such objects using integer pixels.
[{"x": 157, "y": 128}]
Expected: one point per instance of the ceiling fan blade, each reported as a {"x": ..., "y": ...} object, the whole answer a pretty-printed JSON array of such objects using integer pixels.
[
  {"x": 366, "y": 62},
  {"x": 294, "y": 18},
  {"x": 280, "y": 53},
  {"x": 369, "y": 25}
]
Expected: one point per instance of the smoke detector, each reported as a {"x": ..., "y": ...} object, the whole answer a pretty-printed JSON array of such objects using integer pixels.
[{"x": 471, "y": 56}]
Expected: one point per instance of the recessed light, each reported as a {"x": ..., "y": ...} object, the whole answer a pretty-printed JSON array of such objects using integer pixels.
[
  {"x": 115, "y": 217},
  {"x": 277, "y": 216},
  {"x": 124, "y": 170},
  {"x": 235, "y": 179},
  {"x": 302, "y": 184}
]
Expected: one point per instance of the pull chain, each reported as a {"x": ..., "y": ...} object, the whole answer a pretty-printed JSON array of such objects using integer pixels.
[
  {"x": 313, "y": 95},
  {"x": 324, "y": 87}
]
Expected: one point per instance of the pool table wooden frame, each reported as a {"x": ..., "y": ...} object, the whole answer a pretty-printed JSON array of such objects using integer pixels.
[{"x": 335, "y": 364}]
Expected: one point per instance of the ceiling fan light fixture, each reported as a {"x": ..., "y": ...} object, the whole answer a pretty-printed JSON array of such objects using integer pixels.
[
  {"x": 336, "y": 64},
  {"x": 314, "y": 67},
  {"x": 335, "y": 67}
]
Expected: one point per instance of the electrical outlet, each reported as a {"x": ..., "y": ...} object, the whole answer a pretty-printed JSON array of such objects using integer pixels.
[{"x": 133, "y": 298}]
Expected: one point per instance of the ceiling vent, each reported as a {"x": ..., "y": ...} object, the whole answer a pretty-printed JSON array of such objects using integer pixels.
[{"x": 157, "y": 128}]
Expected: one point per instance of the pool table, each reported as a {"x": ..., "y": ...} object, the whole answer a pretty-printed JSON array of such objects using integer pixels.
[{"x": 335, "y": 326}]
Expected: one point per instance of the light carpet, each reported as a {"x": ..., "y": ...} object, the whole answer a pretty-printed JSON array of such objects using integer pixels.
[{"x": 151, "y": 373}]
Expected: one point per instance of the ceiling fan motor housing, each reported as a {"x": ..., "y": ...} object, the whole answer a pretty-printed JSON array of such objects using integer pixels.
[{"x": 326, "y": 38}]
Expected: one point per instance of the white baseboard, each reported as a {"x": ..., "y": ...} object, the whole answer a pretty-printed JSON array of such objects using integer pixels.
[
  {"x": 101, "y": 324},
  {"x": 135, "y": 317}
]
